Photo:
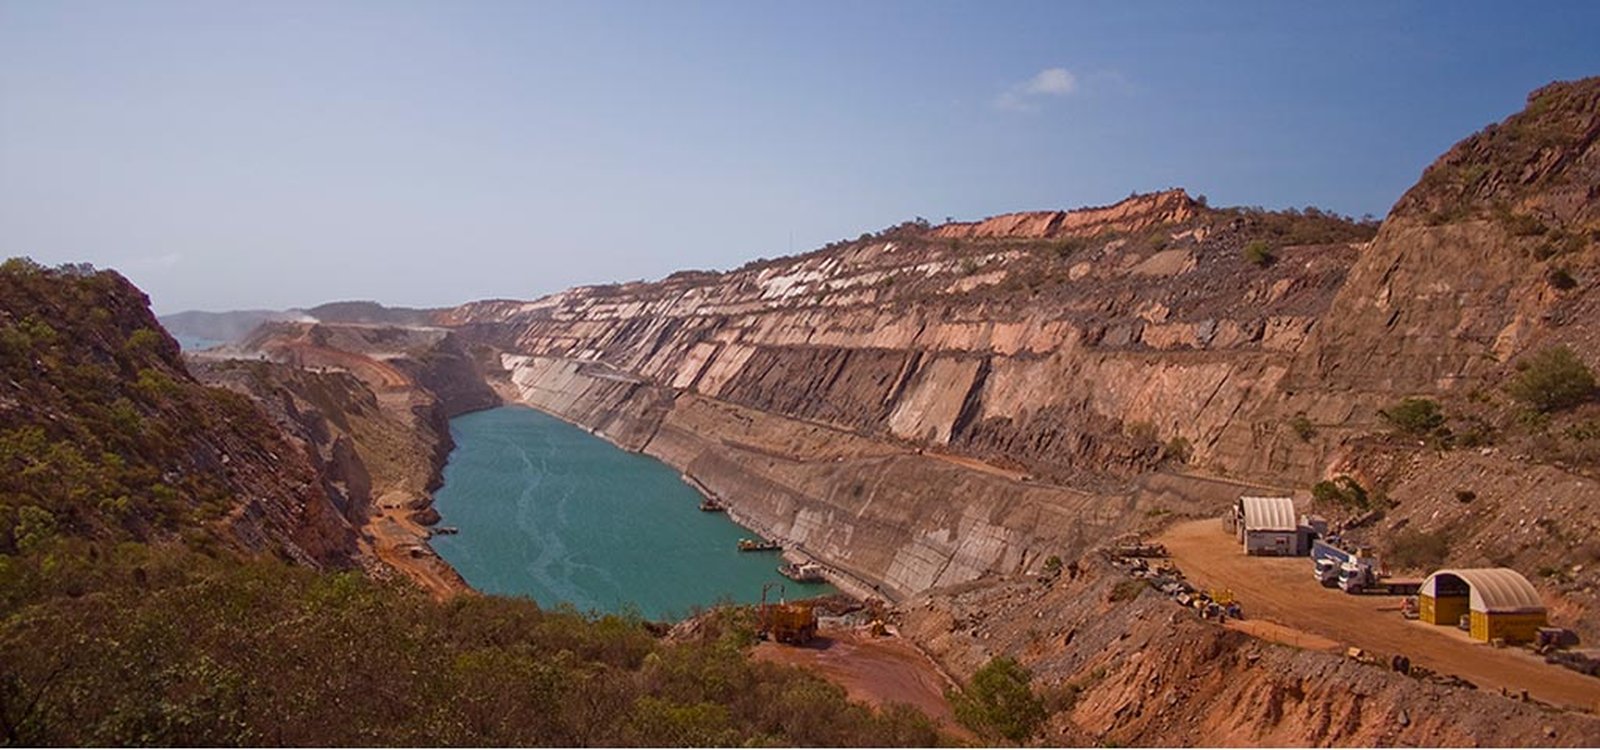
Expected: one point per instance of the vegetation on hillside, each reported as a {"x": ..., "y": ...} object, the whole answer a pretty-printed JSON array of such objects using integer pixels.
[
  {"x": 100, "y": 426},
  {"x": 1505, "y": 170},
  {"x": 1551, "y": 380},
  {"x": 171, "y": 647},
  {"x": 999, "y": 703}
]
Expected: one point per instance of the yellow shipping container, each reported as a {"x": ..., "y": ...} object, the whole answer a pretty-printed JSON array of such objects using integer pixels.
[
  {"x": 1445, "y": 611},
  {"x": 1514, "y": 627}
]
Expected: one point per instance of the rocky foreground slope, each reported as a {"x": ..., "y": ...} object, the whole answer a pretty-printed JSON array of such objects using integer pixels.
[{"x": 104, "y": 434}]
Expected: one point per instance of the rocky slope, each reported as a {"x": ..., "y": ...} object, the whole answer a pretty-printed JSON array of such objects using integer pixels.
[
  {"x": 372, "y": 404},
  {"x": 104, "y": 434},
  {"x": 1122, "y": 664}
]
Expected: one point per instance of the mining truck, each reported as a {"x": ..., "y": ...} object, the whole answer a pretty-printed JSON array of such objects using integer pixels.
[{"x": 794, "y": 624}]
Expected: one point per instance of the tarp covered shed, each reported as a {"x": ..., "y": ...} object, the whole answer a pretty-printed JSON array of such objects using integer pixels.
[
  {"x": 1498, "y": 602},
  {"x": 1268, "y": 526}
]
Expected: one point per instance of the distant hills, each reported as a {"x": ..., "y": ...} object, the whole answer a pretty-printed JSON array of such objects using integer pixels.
[{"x": 233, "y": 325}]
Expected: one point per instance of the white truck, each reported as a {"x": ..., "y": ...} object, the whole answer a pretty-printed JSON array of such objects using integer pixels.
[{"x": 1356, "y": 572}]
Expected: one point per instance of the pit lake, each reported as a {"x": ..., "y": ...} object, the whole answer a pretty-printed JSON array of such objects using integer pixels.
[{"x": 548, "y": 511}]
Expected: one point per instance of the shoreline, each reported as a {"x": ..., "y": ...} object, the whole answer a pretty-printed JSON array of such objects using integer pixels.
[
  {"x": 852, "y": 585},
  {"x": 846, "y": 583}
]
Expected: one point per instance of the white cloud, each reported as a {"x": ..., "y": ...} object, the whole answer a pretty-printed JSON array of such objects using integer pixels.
[
  {"x": 1058, "y": 81},
  {"x": 1022, "y": 97}
]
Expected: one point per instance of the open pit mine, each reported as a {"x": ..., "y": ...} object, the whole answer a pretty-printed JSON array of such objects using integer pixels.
[{"x": 1029, "y": 437}]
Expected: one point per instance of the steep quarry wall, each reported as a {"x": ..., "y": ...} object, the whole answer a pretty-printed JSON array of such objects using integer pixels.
[
  {"x": 927, "y": 407},
  {"x": 1080, "y": 361},
  {"x": 886, "y": 517},
  {"x": 1062, "y": 362}
]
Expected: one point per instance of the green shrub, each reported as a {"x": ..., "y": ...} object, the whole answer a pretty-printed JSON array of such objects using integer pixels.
[
  {"x": 1420, "y": 550},
  {"x": 1179, "y": 449},
  {"x": 1552, "y": 380},
  {"x": 1127, "y": 591},
  {"x": 999, "y": 704},
  {"x": 1415, "y": 416},
  {"x": 1561, "y": 279},
  {"x": 1303, "y": 428},
  {"x": 1342, "y": 490},
  {"x": 1258, "y": 253}
]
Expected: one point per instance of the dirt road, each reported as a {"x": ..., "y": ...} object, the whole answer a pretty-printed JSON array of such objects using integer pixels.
[
  {"x": 1282, "y": 591},
  {"x": 394, "y": 536},
  {"x": 874, "y": 671}
]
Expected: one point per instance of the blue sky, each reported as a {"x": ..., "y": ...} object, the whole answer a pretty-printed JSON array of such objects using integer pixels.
[{"x": 234, "y": 155}]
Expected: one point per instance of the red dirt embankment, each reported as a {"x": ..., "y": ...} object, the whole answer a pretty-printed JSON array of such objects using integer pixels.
[{"x": 875, "y": 671}]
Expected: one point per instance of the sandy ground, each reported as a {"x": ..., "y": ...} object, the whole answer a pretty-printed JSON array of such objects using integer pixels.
[
  {"x": 1283, "y": 603},
  {"x": 976, "y": 465},
  {"x": 394, "y": 536},
  {"x": 874, "y": 671}
]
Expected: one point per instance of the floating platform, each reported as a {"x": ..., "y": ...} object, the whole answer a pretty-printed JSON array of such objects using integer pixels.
[{"x": 803, "y": 572}]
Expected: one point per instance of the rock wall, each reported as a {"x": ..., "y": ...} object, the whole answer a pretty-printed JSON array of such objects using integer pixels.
[{"x": 886, "y": 517}]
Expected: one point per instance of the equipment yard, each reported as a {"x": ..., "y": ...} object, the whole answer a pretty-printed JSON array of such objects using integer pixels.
[{"x": 1282, "y": 590}]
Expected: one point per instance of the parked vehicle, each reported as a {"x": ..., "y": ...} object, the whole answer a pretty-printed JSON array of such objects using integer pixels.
[
  {"x": 1355, "y": 572},
  {"x": 1364, "y": 578}
]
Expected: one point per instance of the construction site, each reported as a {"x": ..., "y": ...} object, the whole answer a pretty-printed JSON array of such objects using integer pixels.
[{"x": 1291, "y": 580}]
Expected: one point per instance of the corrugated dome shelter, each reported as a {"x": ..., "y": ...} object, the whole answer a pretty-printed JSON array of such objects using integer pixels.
[
  {"x": 1498, "y": 602},
  {"x": 1267, "y": 526}
]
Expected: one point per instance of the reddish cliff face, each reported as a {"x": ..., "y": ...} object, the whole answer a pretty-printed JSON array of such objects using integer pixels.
[
  {"x": 1136, "y": 214},
  {"x": 370, "y": 403},
  {"x": 919, "y": 409}
]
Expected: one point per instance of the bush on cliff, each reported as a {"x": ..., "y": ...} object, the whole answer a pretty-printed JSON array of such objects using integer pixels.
[
  {"x": 1258, "y": 253},
  {"x": 999, "y": 704},
  {"x": 1417, "y": 417},
  {"x": 1552, "y": 380},
  {"x": 1343, "y": 491}
]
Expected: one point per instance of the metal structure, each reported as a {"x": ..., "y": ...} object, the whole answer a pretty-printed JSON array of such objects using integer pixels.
[{"x": 794, "y": 624}]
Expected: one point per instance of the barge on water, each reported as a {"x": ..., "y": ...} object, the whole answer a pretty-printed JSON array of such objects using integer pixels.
[
  {"x": 802, "y": 572},
  {"x": 758, "y": 545}
]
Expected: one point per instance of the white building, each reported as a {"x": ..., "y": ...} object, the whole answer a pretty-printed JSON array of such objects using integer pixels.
[{"x": 1267, "y": 526}]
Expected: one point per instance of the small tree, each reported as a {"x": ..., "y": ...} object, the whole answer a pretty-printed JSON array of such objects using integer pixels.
[
  {"x": 1552, "y": 380},
  {"x": 1415, "y": 416},
  {"x": 999, "y": 702},
  {"x": 1341, "y": 490}
]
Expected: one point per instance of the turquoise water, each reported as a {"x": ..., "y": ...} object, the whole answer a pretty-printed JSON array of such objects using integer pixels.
[
  {"x": 548, "y": 511},
  {"x": 196, "y": 343}
]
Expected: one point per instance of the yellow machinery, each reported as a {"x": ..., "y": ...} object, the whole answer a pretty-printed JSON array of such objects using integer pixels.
[{"x": 795, "y": 624}]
